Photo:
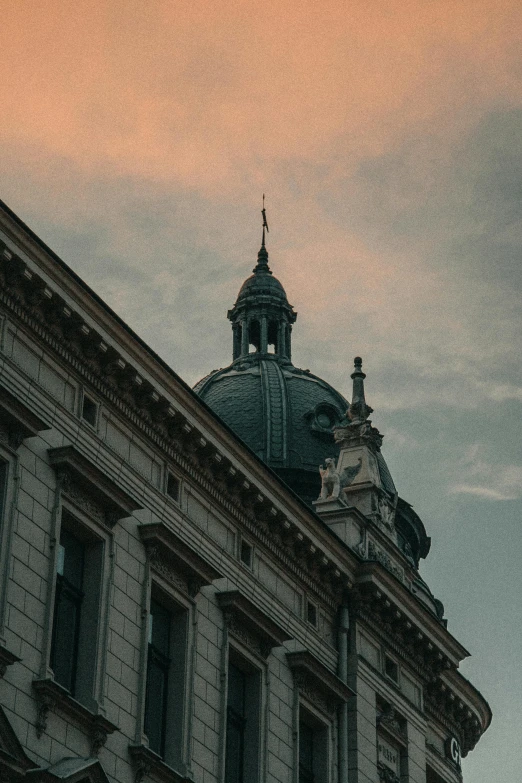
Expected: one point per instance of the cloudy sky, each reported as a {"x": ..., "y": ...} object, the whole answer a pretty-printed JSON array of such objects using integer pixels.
[{"x": 137, "y": 139}]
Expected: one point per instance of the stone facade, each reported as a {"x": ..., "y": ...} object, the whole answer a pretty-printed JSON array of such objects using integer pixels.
[{"x": 109, "y": 462}]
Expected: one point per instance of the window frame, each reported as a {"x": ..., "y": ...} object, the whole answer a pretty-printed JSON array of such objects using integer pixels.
[
  {"x": 88, "y": 501},
  {"x": 254, "y": 670},
  {"x": 175, "y": 742}
]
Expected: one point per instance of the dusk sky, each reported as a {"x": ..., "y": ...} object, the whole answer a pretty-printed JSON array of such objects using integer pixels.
[{"x": 137, "y": 139}]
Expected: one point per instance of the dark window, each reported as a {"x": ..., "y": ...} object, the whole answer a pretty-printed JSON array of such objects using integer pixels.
[
  {"x": 246, "y": 554},
  {"x": 236, "y": 725},
  {"x": 3, "y": 489},
  {"x": 173, "y": 487},
  {"x": 89, "y": 410},
  {"x": 313, "y": 748},
  {"x": 157, "y": 677},
  {"x": 311, "y": 613},
  {"x": 391, "y": 669},
  {"x": 306, "y": 753},
  {"x": 432, "y": 776},
  {"x": 67, "y": 610}
]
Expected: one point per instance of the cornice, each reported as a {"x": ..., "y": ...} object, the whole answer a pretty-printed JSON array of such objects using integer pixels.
[
  {"x": 375, "y": 585},
  {"x": 78, "y": 473},
  {"x": 66, "y": 333},
  {"x": 17, "y": 420},
  {"x": 457, "y": 704},
  {"x": 171, "y": 556},
  {"x": 324, "y": 689},
  {"x": 250, "y": 624}
]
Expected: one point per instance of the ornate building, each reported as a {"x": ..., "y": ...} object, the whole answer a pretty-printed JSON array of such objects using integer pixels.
[{"x": 182, "y": 596}]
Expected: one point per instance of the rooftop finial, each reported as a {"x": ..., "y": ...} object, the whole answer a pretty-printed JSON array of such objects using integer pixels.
[
  {"x": 265, "y": 224},
  {"x": 358, "y": 410},
  {"x": 262, "y": 256}
]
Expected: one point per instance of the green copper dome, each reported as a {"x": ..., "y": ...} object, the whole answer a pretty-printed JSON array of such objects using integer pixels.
[{"x": 284, "y": 414}]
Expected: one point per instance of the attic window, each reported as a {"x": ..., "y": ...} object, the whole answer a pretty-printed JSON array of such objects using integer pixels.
[
  {"x": 173, "y": 486},
  {"x": 246, "y": 553},
  {"x": 311, "y": 613},
  {"x": 391, "y": 669},
  {"x": 89, "y": 410}
]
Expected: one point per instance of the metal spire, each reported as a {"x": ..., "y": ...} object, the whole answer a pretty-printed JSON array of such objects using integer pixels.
[
  {"x": 262, "y": 256},
  {"x": 358, "y": 410},
  {"x": 265, "y": 224}
]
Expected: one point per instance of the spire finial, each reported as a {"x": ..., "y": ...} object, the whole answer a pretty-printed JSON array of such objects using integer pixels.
[
  {"x": 265, "y": 224},
  {"x": 358, "y": 410},
  {"x": 262, "y": 256}
]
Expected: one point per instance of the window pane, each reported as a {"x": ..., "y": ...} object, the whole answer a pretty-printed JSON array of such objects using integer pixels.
[
  {"x": 236, "y": 690},
  {"x": 234, "y": 750},
  {"x": 67, "y": 610},
  {"x": 3, "y": 488},
  {"x": 306, "y": 749},
  {"x": 156, "y": 704},
  {"x": 157, "y": 677},
  {"x": 236, "y": 724}
]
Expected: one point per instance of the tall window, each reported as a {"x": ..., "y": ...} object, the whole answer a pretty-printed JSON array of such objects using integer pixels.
[
  {"x": 313, "y": 748},
  {"x": 306, "y": 753},
  {"x": 164, "y": 719},
  {"x": 236, "y": 724},
  {"x": 243, "y": 723},
  {"x": 3, "y": 489},
  {"x": 67, "y": 610},
  {"x": 157, "y": 677},
  {"x": 74, "y": 644}
]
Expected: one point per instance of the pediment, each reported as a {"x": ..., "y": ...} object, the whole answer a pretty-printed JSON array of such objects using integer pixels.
[
  {"x": 78, "y": 472},
  {"x": 13, "y": 761},
  {"x": 71, "y": 770},
  {"x": 18, "y": 421}
]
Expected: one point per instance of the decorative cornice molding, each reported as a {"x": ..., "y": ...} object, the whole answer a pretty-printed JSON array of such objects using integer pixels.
[
  {"x": 389, "y": 623},
  {"x": 171, "y": 557},
  {"x": 7, "y": 658},
  {"x": 87, "y": 484},
  {"x": 74, "y": 341},
  {"x": 317, "y": 683},
  {"x": 17, "y": 421},
  {"x": 249, "y": 624},
  {"x": 445, "y": 706}
]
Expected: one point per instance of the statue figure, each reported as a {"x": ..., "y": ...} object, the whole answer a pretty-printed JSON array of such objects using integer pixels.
[{"x": 332, "y": 482}]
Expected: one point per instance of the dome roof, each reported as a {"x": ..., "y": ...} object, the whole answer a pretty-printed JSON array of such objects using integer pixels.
[
  {"x": 285, "y": 415},
  {"x": 262, "y": 284}
]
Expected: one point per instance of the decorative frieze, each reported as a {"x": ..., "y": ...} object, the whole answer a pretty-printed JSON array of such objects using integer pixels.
[{"x": 393, "y": 627}]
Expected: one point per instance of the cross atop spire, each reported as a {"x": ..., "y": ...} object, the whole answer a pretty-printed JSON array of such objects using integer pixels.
[
  {"x": 262, "y": 256},
  {"x": 265, "y": 224}
]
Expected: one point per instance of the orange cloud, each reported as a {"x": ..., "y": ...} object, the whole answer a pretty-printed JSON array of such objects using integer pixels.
[{"x": 213, "y": 94}]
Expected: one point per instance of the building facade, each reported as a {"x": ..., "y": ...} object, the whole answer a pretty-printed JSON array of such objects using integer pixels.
[{"x": 170, "y": 608}]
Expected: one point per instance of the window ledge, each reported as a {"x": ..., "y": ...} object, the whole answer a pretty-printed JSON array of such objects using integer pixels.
[
  {"x": 50, "y": 696},
  {"x": 146, "y": 762},
  {"x": 7, "y": 658}
]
